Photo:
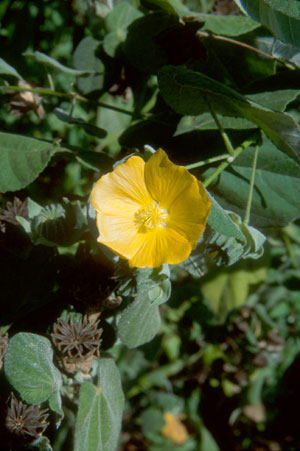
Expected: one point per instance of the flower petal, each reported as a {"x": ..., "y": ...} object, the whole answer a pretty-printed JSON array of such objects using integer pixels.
[
  {"x": 189, "y": 212},
  {"x": 161, "y": 245},
  {"x": 119, "y": 234},
  {"x": 122, "y": 191},
  {"x": 166, "y": 181}
]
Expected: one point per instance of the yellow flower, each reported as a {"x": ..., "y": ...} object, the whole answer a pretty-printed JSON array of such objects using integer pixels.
[
  {"x": 150, "y": 213},
  {"x": 174, "y": 429}
]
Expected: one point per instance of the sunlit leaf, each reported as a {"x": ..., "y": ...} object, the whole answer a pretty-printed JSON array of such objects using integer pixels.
[
  {"x": 228, "y": 288},
  {"x": 86, "y": 61},
  {"x": 140, "y": 312},
  {"x": 188, "y": 93},
  {"x": 227, "y": 25},
  {"x": 171, "y": 6},
  {"x": 40, "y": 57},
  {"x": 7, "y": 69},
  {"x": 275, "y": 100},
  {"x": 30, "y": 370},
  {"x": 282, "y": 18},
  {"x": 277, "y": 183},
  {"x": 100, "y": 410},
  {"x": 117, "y": 22},
  {"x": 22, "y": 159}
]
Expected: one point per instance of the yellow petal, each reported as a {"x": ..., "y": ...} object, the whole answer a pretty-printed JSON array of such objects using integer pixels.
[
  {"x": 119, "y": 234},
  {"x": 122, "y": 191},
  {"x": 158, "y": 246},
  {"x": 164, "y": 180},
  {"x": 174, "y": 429},
  {"x": 189, "y": 212}
]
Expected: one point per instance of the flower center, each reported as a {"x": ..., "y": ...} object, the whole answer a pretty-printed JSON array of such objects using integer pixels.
[{"x": 151, "y": 217}]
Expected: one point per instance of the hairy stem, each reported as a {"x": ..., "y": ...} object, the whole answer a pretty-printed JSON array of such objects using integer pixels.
[
  {"x": 224, "y": 135},
  {"x": 71, "y": 96},
  {"x": 206, "y": 34},
  {"x": 229, "y": 160},
  {"x": 250, "y": 195},
  {"x": 208, "y": 161}
]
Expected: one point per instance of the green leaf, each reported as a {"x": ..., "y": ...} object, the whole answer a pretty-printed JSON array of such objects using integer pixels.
[
  {"x": 205, "y": 121},
  {"x": 171, "y": 6},
  {"x": 227, "y": 25},
  {"x": 228, "y": 288},
  {"x": 207, "y": 440},
  {"x": 230, "y": 249},
  {"x": 282, "y": 18},
  {"x": 40, "y": 57},
  {"x": 55, "y": 224},
  {"x": 277, "y": 184},
  {"x": 286, "y": 52},
  {"x": 225, "y": 241},
  {"x": 187, "y": 92},
  {"x": 142, "y": 48},
  {"x": 30, "y": 370},
  {"x": 42, "y": 443},
  {"x": 100, "y": 411},
  {"x": 139, "y": 322},
  {"x": 97, "y": 161},
  {"x": 114, "y": 122},
  {"x": 121, "y": 16},
  {"x": 160, "y": 293},
  {"x": 85, "y": 60},
  {"x": 90, "y": 129},
  {"x": 275, "y": 100},
  {"x": 154, "y": 284},
  {"x": 7, "y": 69},
  {"x": 22, "y": 159},
  {"x": 220, "y": 221},
  {"x": 117, "y": 22},
  {"x": 152, "y": 421}
]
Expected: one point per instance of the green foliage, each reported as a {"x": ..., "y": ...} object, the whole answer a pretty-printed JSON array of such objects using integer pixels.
[
  {"x": 277, "y": 100},
  {"x": 275, "y": 200},
  {"x": 281, "y": 18},
  {"x": 22, "y": 159},
  {"x": 30, "y": 370},
  {"x": 143, "y": 314},
  {"x": 88, "y": 128},
  {"x": 8, "y": 70},
  {"x": 113, "y": 79},
  {"x": 85, "y": 59},
  {"x": 41, "y": 58},
  {"x": 117, "y": 22},
  {"x": 227, "y": 25},
  {"x": 189, "y": 92},
  {"x": 100, "y": 410},
  {"x": 61, "y": 224}
]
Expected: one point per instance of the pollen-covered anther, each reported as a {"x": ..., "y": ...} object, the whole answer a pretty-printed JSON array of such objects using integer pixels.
[{"x": 151, "y": 217}]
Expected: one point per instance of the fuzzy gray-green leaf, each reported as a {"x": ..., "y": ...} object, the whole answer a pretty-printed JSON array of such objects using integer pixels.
[
  {"x": 100, "y": 411},
  {"x": 30, "y": 370}
]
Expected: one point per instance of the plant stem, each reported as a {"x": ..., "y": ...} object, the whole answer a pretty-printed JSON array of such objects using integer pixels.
[
  {"x": 49, "y": 92},
  {"x": 204, "y": 162},
  {"x": 216, "y": 173},
  {"x": 250, "y": 195},
  {"x": 287, "y": 242},
  {"x": 51, "y": 84},
  {"x": 224, "y": 164},
  {"x": 224, "y": 135},
  {"x": 205, "y": 34}
]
